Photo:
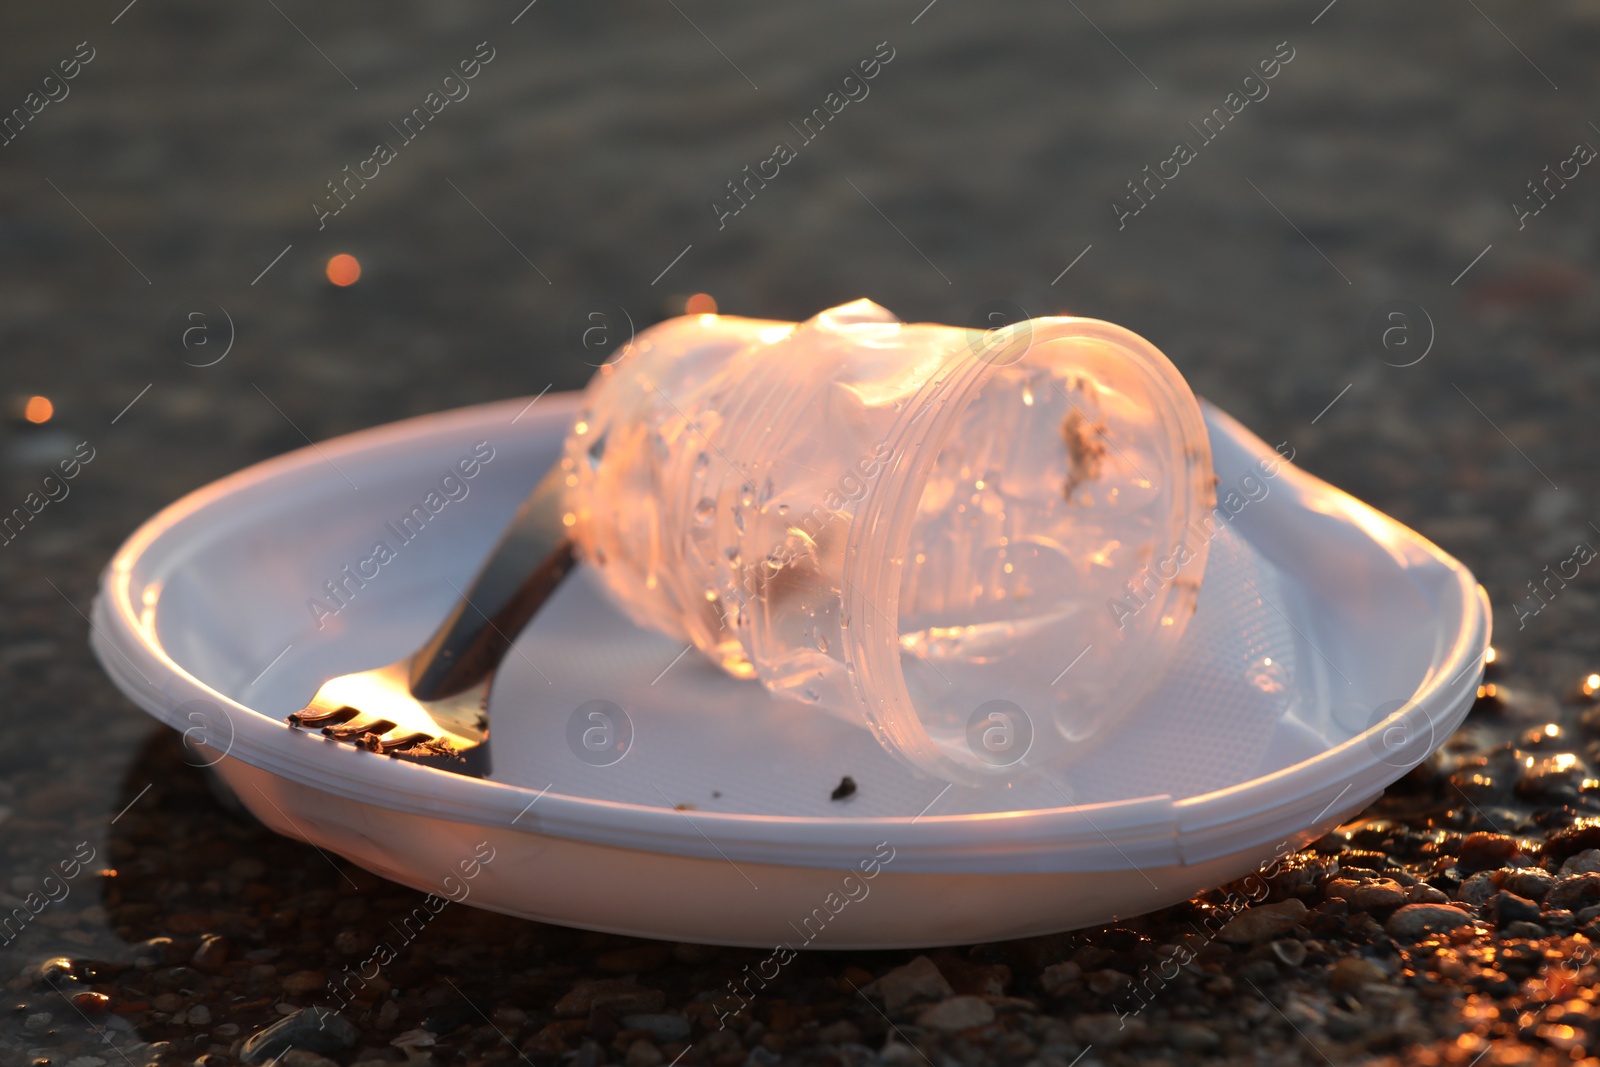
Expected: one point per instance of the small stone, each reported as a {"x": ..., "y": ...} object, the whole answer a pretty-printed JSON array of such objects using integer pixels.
[
  {"x": 53, "y": 972},
  {"x": 1290, "y": 952},
  {"x": 1585, "y": 862},
  {"x": 636, "y": 959},
  {"x": 1483, "y": 851},
  {"x": 1574, "y": 891},
  {"x": 91, "y": 1003},
  {"x": 1414, "y": 921},
  {"x": 622, "y": 996},
  {"x": 918, "y": 980},
  {"x": 1263, "y": 921},
  {"x": 1192, "y": 1037},
  {"x": 225, "y": 1031},
  {"x": 299, "y": 1057},
  {"x": 349, "y": 943},
  {"x": 1478, "y": 889},
  {"x": 1058, "y": 976},
  {"x": 957, "y": 1013},
  {"x": 643, "y": 1054},
  {"x": 1423, "y": 893},
  {"x": 1530, "y": 882},
  {"x": 418, "y": 1038},
  {"x": 1107, "y": 1029},
  {"x": 211, "y": 955},
  {"x": 507, "y": 1015},
  {"x": 199, "y": 1015},
  {"x": 692, "y": 955},
  {"x": 1507, "y": 908},
  {"x": 1530, "y": 931},
  {"x": 388, "y": 1015},
  {"x": 1380, "y": 894},
  {"x": 1105, "y": 982},
  {"x": 843, "y": 1032},
  {"x": 1563, "y": 844},
  {"x": 663, "y": 1026},
  {"x": 1350, "y": 973},
  {"x": 304, "y": 983},
  {"x": 315, "y": 1029},
  {"x": 156, "y": 952},
  {"x": 247, "y": 869},
  {"x": 170, "y": 1003},
  {"x": 1553, "y": 777},
  {"x": 36, "y": 1022}
]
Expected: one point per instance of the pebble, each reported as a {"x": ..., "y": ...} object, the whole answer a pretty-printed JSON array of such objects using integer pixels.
[
  {"x": 35, "y": 1022},
  {"x": 1563, "y": 844},
  {"x": 1585, "y": 862},
  {"x": 957, "y": 1013},
  {"x": 1290, "y": 952},
  {"x": 663, "y": 1026},
  {"x": 918, "y": 980},
  {"x": 643, "y": 1054},
  {"x": 1507, "y": 908},
  {"x": 1574, "y": 892},
  {"x": 300, "y": 1057},
  {"x": 54, "y": 971},
  {"x": 303, "y": 983},
  {"x": 1263, "y": 921},
  {"x": 1482, "y": 851},
  {"x": 1192, "y": 1037},
  {"x": 156, "y": 952},
  {"x": 199, "y": 1015},
  {"x": 315, "y": 1029},
  {"x": 1477, "y": 890},
  {"x": 1055, "y": 978},
  {"x": 1530, "y": 882},
  {"x": 247, "y": 869},
  {"x": 621, "y": 995},
  {"x": 1552, "y": 777},
  {"x": 1413, "y": 921},
  {"x": 418, "y": 1038},
  {"x": 1352, "y": 972},
  {"x": 211, "y": 955},
  {"x": 1107, "y": 1029},
  {"x": 507, "y": 1015},
  {"x": 1381, "y": 894},
  {"x": 1423, "y": 893},
  {"x": 637, "y": 959},
  {"x": 91, "y": 1003},
  {"x": 843, "y": 1032},
  {"x": 1531, "y": 931}
]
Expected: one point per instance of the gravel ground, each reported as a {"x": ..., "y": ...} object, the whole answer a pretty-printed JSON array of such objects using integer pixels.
[{"x": 178, "y": 173}]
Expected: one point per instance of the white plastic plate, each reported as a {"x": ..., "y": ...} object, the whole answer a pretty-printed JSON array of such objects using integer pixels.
[{"x": 716, "y": 823}]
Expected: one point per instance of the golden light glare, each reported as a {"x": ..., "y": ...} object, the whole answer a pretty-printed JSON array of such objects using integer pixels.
[
  {"x": 344, "y": 269},
  {"x": 38, "y": 410}
]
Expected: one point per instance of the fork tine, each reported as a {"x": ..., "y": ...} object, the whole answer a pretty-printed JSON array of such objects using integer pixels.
[
  {"x": 355, "y": 731},
  {"x": 389, "y": 746},
  {"x": 307, "y": 717}
]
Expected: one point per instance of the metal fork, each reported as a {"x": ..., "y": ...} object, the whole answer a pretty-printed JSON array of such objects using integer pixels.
[{"x": 432, "y": 707}]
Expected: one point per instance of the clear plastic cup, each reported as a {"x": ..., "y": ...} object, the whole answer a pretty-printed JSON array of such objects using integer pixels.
[{"x": 978, "y": 545}]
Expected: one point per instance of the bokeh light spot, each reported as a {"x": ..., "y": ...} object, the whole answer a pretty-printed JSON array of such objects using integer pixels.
[{"x": 343, "y": 269}]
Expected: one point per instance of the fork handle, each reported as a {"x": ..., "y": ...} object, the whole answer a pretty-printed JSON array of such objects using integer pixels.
[{"x": 527, "y": 565}]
